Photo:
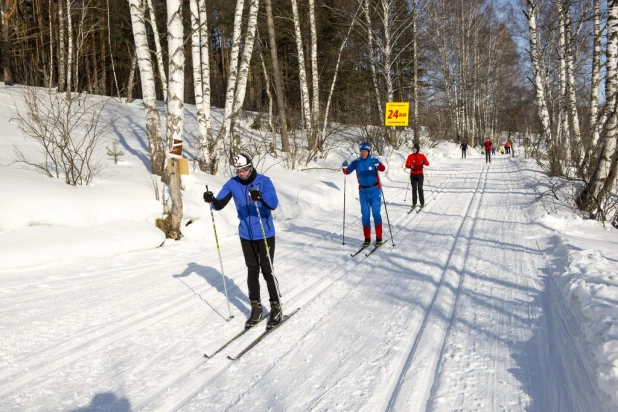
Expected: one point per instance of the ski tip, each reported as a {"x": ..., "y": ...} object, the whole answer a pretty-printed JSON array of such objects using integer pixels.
[
  {"x": 231, "y": 358},
  {"x": 207, "y": 357}
]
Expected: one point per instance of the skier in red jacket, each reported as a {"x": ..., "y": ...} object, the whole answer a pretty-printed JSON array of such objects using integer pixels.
[
  {"x": 415, "y": 163},
  {"x": 488, "y": 146}
]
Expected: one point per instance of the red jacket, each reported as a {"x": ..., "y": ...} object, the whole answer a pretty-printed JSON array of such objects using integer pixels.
[
  {"x": 488, "y": 145},
  {"x": 415, "y": 163}
]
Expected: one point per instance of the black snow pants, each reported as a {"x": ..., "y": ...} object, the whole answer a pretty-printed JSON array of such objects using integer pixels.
[
  {"x": 417, "y": 188},
  {"x": 256, "y": 258}
]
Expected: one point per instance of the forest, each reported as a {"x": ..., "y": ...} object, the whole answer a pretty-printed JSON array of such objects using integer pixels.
[{"x": 543, "y": 71}]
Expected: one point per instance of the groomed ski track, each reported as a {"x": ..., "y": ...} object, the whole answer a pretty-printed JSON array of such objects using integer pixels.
[{"x": 458, "y": 316}]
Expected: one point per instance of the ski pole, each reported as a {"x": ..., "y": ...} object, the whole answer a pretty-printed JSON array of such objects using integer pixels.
[
  {"x": 387, "y": 219},
  {"x": 214, "y": 228},
  {"x": 344, "y": 181},
  {"x": 433, "y": 193},
  {"x": 272, "y": 268},
  {"x": 408, "y": 185}
]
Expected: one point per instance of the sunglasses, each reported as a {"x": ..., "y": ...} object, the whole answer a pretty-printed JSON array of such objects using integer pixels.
[{"x": 243, "y": 169}]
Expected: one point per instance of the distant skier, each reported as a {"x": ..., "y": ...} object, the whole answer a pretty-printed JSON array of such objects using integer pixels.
[
  {"x": 464, "y": 148},
  {"x": 488, "y": 146},
  {"x": 369, "y": 187},
  {"x": 415, "y": 162},
  {"x": 507, "y": 147},
  {"x": 247, "y": 188}
]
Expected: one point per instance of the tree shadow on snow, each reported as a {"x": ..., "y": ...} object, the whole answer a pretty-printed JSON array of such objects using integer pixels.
[
  {"x": 106, "y": 401},
  {"x": 213, "y": 277}
]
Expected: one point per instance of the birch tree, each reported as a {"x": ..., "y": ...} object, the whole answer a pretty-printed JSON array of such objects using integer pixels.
[
  {"x": 243, "y": 71},
  {"x": 224, "y": 132},
  {"x": 315, "y": 107},
  {"x": 574, "y": 143},
  {"x": 159, "y": 50},
  {"x": 540, "y": 87},
  {"x": 175, "y": 109},
  {"x": 209, "y": 159},
  {"x": 596, "y": 68},
  {"x": 302, "y": 74},
  {"x": 198, "y": 78},
  {"x": 153, "y": 119},
  {"x": 603, "y": 179},
  {"x": 70, "y": 49},
  {"x": 279, "y": 91}
]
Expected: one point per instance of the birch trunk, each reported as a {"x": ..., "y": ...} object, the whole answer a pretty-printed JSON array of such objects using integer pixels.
[
  {"x": 596, "y": 68},
  {"x": 540, "y": 88},
  {"x": 604, "y": 177},
  {"x": 573, "y": 146},
  {"x": 273, "y": 148},
  {"x": 153, "y": 119},
  {"x": 304, "y": 90},
  {"x": 562, "y": 132},
  {"x": 279, "y": 91},
  {"x": 111, "y": 51},
  {"x": 130, "y": 82},
  {"x": 372, "y": 61},
  {"x": 315, "y": 109},
  {"x": 224, "y": 132},
  {"x": 417, "y": 138},
  {"x": 62, "y": 76},
  {"x": 196, "y": 57},
  {"x": 175, "y": 109},
  {"x": 69, "y": 50},
  {"x": 243, "y": 71},
  {"x": 159, "y": 50},
  {"x": 51, "y": 46},
  {"x": 208, "y": 151}
]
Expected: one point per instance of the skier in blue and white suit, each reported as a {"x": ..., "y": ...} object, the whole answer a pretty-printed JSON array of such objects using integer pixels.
[
  {"x": 247, "y": 188},
  {"x": 369, "y": 187}
]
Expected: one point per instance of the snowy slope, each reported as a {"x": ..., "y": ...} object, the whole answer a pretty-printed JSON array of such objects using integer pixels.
[{"x": 484, "y": 303}]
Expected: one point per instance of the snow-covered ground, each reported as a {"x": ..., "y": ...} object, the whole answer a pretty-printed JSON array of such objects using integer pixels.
[{"x": 485, "y": 301}]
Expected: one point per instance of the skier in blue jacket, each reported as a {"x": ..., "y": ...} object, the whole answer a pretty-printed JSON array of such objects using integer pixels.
[
  {"x": 367, "y": 168},
  {"x": 247, "y": 188}
]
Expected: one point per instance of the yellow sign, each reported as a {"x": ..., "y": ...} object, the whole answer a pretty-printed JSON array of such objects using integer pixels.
[{"x": 396, "y": 114}]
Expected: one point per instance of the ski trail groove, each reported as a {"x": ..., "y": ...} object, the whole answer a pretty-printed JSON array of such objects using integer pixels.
[{"x": 434, "y": 329}]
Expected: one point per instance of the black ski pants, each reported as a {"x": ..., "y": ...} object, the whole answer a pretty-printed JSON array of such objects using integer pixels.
[
  {"x": 417, "y": 189},
  {"x": 487, "y": 156},
  {"x": 463, "y": 153},
  {"x": 256, "y": 258}
]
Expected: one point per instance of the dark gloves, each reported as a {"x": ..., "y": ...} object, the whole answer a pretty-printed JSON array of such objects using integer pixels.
[
  {"x": 255, "y": 195},
  {"x": 209, "y": 197}
]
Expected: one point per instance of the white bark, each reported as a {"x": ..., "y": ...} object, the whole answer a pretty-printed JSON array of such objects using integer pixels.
[
  {"x": 315, "y": 110},
  {"x": 596, "y": 68},
  {"x": 51, "y": 47},
  {"x": 243, "y": 71},
  {"x": 601, "y": 182},
  {"x": 372, "y": 59},
  {"x": 205, "y": 56},
  {"x": 62, "y": 75},
  {"x": 175, "y": 105},
  {"x": 304, "y": 90},
  {"x": 231, "y": 80},
  {"x": 69, "y": 51},
  {"x": 196, "y": 58},
  {"x": 159, "y": 50},
  {"x": 153, "y": 119},
  {"x": 562, "y": 132},
  {"x": 538, "y": 83},
  {"x": 575, "y": 140},
  {"x": 111, "y": 51}
]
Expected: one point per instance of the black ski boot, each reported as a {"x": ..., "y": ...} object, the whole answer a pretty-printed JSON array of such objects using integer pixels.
[
  {"x": 367, "y": 242},
  {"x": 275, "y": 314},
  {"x": 379, "y": 241},
  {"x": 256, "y": 314}
]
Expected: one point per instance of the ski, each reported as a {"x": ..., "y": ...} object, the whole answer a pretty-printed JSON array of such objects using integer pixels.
[
  {"x": 376, "y": 247},
  {"x": 411, "y": 209},
  {"x": 359, "y": 250},
  {"x": 262, "y": 336},
  {"x": 226, "y": 344},
  {"x": 420, "y": 208}
]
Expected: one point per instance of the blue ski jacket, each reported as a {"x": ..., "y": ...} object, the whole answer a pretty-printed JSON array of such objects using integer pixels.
[
  {"x": 366, "y": 171},
  {"x": 249, "y": 227}
]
